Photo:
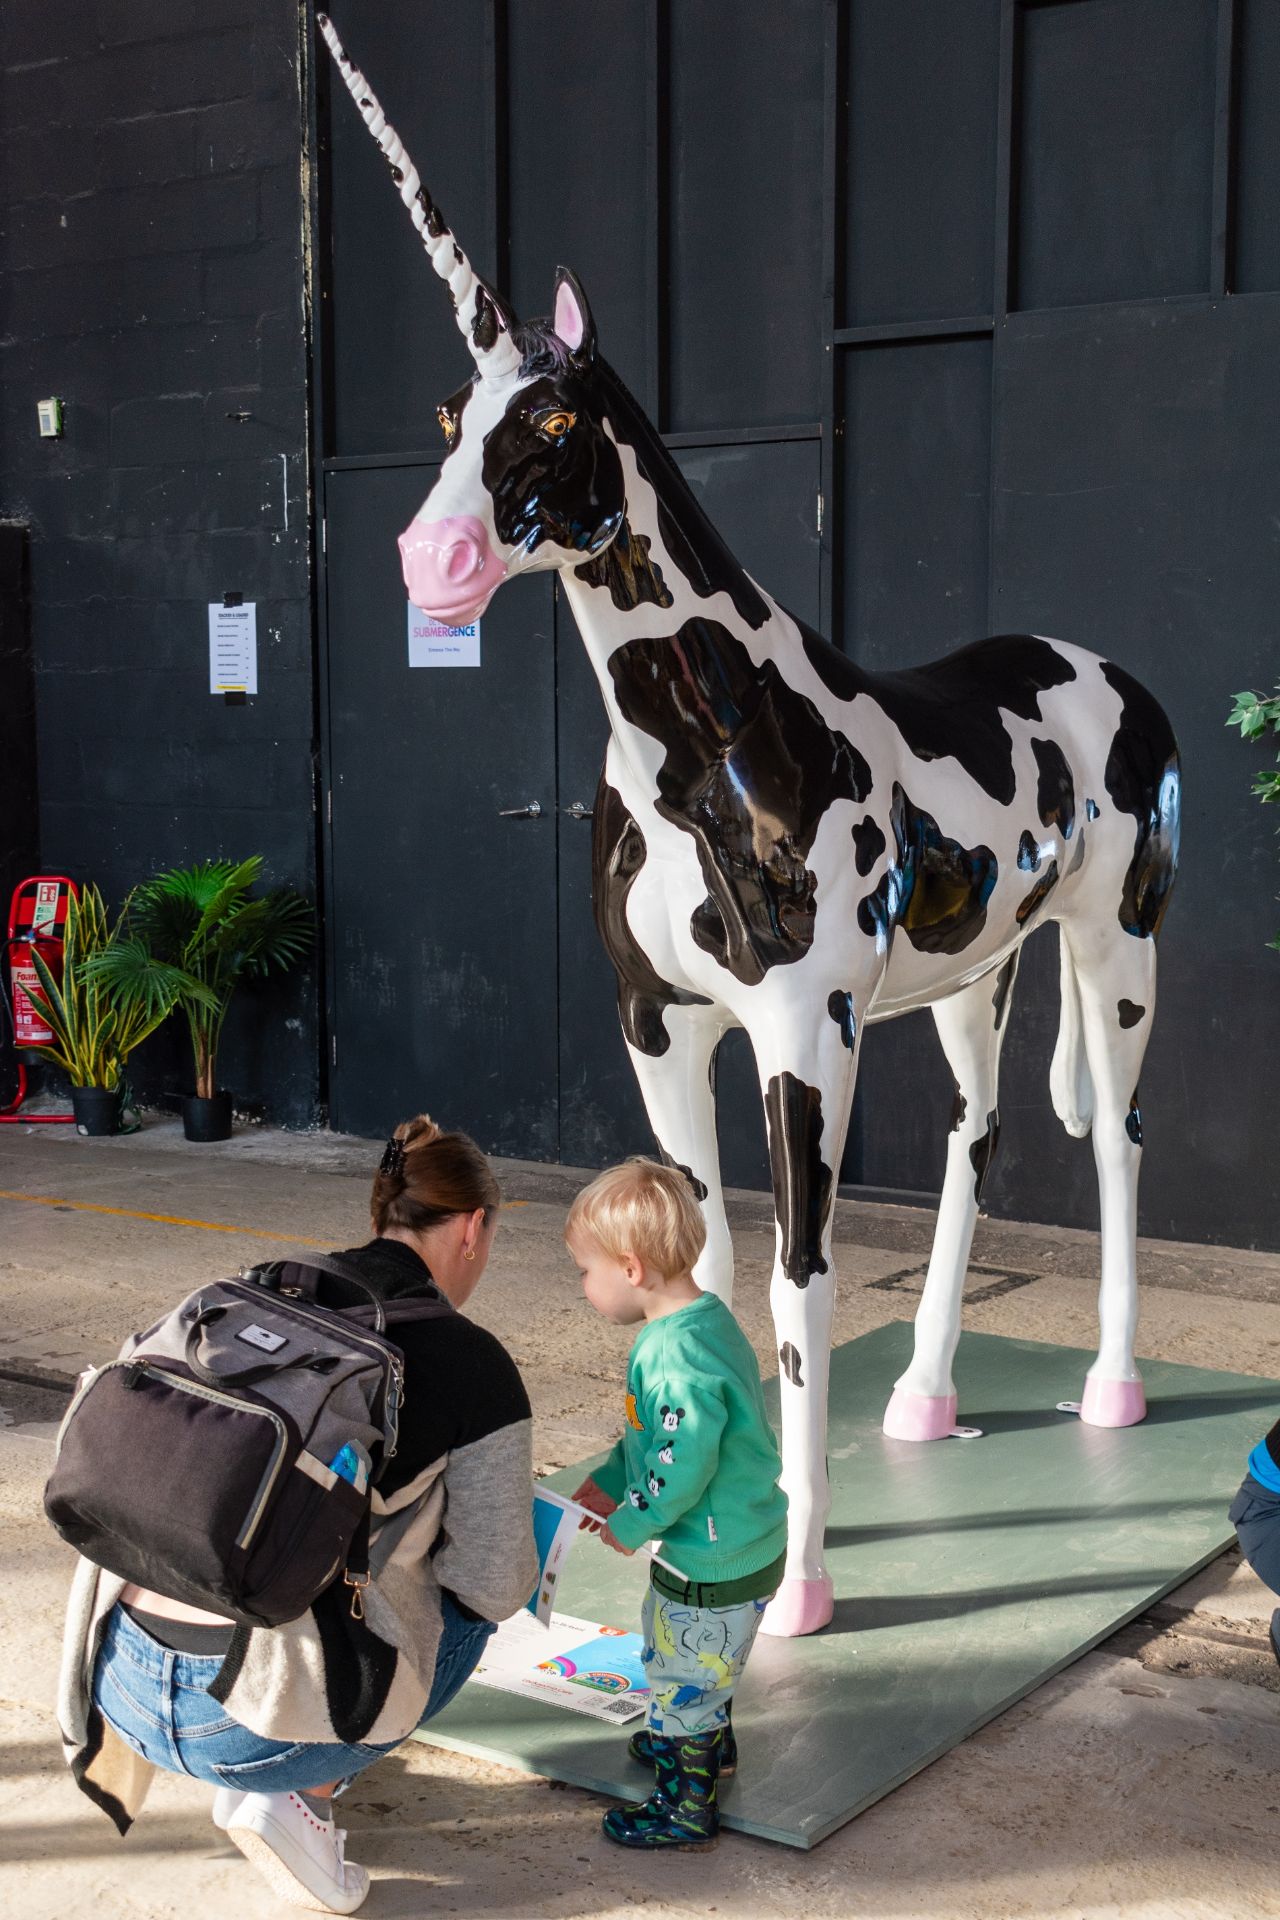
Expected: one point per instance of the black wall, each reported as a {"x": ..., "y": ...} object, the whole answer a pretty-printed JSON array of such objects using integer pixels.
[
  {"x": 19, "y": 818},
  {"x": 1011, "y": 266},
  {"x": 152, "y": 278}
]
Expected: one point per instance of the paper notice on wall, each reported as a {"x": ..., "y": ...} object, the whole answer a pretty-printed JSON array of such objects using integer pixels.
[
  {"x": 233, "y": 648},
  {"x": 432, "y": 644}
]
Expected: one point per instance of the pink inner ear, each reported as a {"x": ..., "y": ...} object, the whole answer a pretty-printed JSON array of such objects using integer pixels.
[{"x": 568, "y": 319}]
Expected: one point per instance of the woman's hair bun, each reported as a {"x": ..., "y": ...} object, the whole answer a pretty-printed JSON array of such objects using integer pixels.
[{"x": 418, "y": 1190}]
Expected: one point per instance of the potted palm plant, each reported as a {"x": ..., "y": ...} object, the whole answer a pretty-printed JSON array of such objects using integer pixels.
[
  {"x": 206, "y": 922},
  {"x": 98, "y": 1017}
]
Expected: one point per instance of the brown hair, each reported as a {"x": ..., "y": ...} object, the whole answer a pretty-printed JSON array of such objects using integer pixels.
[
  {"x": 441, "y": 1174},
  {"x": 644, "y": 1209}
]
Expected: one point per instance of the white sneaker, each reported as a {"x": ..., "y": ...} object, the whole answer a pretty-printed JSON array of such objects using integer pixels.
[
  {"x": 299, "y": 1855},
  {"x": 225, "y": 1802}
]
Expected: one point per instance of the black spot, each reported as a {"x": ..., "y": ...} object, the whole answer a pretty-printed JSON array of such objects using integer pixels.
[
  {"x": 625, "y": 567},
  {"x": 485, "y": 326},
  {"x": 1143, "y": 778},
  {"x": 801, "y": 1179},
  {"x": 457, "y": 253},
  {"x": 434, "y": 217},
  {"x": 1029, "y": 853},
  {"x": 1055, "y": 790},
  {"x": 568, "y": 491},
  {"x": 1043, "y": 887},
  {"x": 694, "y": 545},
  {"x": 1004, "y": 987},
  {"x": 983, "y": 1152},
  {"x": 750, "y": 770},
  {"x": 1133, "y": 1120},
  {"x": 397, "y": 174},
  {"x": 1129, "y": 1012},
  {"x": 869, "y": 843},
  {"x": 1090, "y": 809},
  {"x": 789, "y": 1361},
  {"x": 617, "y": 855},
  {"x": 840, "y": 1007},
  {"x": 699, "y": 1191},
  {"x": 952, "y": 708},
  {"x": 959, "y": 1107},
  {"x": 936, "y": 890}
]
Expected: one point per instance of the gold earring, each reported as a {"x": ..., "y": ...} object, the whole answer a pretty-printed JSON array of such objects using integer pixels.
[{"x": 468, "y": 1253}]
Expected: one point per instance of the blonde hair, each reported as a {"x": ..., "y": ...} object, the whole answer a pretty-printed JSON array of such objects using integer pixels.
[
  {"x": 644, "y": 1209},
  {"x": 440, "y": 1174}
]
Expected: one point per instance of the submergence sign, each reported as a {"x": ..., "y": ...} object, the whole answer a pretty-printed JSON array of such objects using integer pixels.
[{"x": 432, "y": 644}]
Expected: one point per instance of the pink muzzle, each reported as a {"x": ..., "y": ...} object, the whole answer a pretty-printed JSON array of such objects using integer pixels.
[{"x": 450, "y": 570}]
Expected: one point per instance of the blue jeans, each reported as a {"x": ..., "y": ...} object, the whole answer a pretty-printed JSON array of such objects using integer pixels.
[
  {"x": 158, "y": 1702},
  {"x": 1255, "y": 1515}
]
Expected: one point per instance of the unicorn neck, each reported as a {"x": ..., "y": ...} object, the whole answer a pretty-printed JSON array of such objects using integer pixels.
[{"x": 667, "y": 566}]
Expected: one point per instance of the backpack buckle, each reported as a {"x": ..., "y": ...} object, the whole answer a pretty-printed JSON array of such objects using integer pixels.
[{"x": 357, "y": 1582}]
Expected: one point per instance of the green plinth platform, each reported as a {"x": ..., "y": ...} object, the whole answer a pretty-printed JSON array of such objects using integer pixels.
[{"x": 966, "y": 1573}]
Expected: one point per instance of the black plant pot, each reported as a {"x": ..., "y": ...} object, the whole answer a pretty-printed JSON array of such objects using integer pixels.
[
  {"x": 97, "y": 1109},
  {"x": 206, "y": 1120}
]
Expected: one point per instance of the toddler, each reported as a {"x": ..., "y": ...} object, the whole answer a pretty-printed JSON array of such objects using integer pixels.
[{"x": 696, "y": 1468}]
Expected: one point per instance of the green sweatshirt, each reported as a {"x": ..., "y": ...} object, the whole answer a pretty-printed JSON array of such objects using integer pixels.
[{"x": 697, "y": 1465}]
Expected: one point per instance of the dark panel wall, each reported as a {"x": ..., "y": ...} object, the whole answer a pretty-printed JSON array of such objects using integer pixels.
[
  {"x": 1135, "y": 514},
  {"x": 1115, "y": 151},
  {"x": 918, "y": 239},
  {"x": 151, "y": 277},
  {"x": 19, "y": 835},
  {"x": 859, "y": 219},
  {"x": 1097, "y": 460}
]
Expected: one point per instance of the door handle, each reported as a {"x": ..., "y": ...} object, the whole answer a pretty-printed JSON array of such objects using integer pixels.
[
  {"x": 532, "y": 812},
  {"x": 578, "y": 812}
]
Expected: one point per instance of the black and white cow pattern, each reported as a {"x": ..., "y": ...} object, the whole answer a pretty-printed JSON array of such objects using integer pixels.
[{"x": 788, "y": 843}]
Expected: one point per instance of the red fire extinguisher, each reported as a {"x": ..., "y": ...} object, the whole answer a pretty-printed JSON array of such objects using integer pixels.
[{"x": 37, "y": 919}]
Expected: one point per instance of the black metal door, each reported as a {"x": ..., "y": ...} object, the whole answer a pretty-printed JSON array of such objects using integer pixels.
[
  {"x": 764, "y": 499},
  {"x": 441, "y": 913}
]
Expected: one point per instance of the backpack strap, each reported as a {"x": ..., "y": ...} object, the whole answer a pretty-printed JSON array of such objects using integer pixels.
[{"x": 271, "y": 1275}]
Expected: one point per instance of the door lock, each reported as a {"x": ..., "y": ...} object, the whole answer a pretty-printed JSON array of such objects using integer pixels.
[
  {"x": 577, "y": 811},
  {"x": 532, "y": 812}
]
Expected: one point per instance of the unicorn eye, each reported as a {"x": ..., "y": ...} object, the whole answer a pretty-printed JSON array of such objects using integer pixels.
[
  {"x": 554, "y": 426},
  {"x": 448, "y": 425}
]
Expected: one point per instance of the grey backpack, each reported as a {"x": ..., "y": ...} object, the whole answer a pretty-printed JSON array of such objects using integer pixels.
[{"x": 226, "y": 1458}]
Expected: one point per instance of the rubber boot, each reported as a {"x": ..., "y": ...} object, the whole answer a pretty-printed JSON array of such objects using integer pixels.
[
  {"x": 640, "y": 1745},
  {"x": 682, "y": 1811},
  {"x": 1275, "y": 1637}
]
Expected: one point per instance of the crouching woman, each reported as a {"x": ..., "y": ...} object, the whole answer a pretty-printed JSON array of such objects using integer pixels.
[{"x": 280, "y": 1719}]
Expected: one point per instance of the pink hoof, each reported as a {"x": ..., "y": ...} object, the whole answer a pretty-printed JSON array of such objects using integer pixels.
[
  {"x": 918, "y": 1416},
  {"x": 1113, "y": 1403},
  {"x": 799, "y": 1606}
]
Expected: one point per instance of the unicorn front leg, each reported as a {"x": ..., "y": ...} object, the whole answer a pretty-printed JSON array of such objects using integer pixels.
[
  {"x": 677, "y": 1088},
  {"x": 807, "y": 1079}
]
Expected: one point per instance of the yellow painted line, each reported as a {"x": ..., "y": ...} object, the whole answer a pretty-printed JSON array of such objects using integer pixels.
[
  {"x": 161, "y": 1219},
  {"x": 173, "y": 1219}
]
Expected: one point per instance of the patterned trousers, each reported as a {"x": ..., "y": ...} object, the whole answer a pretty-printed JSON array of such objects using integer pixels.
[{"x": 694, "y": 1657}]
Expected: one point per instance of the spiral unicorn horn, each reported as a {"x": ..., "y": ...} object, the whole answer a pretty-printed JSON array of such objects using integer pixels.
[{"x": 485, "y": 323}]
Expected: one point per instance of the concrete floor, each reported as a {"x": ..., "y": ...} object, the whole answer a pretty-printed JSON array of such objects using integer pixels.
[{"x": 1144, "y": 1782}]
